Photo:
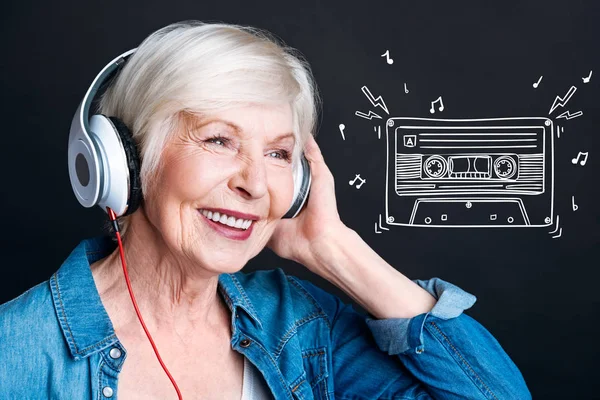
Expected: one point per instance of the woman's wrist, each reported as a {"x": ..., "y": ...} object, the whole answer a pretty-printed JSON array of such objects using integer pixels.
[
  {"x": 343, "y": 258},
  {"x": 326, "y": 250}
]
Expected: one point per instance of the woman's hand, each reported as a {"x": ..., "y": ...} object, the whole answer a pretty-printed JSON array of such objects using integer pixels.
[
  {"x": 319, "y": 240},
  {"x": 297, "y": 238}
]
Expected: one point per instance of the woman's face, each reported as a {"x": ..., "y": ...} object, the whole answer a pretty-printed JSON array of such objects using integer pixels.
[{"x": 233, "y": 162}]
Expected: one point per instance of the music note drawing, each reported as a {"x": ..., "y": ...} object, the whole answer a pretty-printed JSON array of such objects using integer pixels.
[
  {"x": 405, "y": 89},
  {"x": 342, "y": 127},
  {"x": 581, "y": 162},
  {"x": 536, "y": 84},
  {"x": 575, "y": 206},
  {"x": 354, "y": 180},
  {"x": 387, "y": 57},
  {"x": 441, "y": 107}
]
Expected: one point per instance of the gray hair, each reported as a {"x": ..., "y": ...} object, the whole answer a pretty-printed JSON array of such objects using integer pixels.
[{"x": 199, "y": 68}]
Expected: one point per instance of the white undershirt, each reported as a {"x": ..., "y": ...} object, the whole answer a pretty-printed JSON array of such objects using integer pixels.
[{"x": 254, "y": 386}]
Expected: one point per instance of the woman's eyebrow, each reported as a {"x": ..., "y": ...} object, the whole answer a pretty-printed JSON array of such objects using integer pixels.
[
  {"x": 284, "y": 136},
  {"x": 205, "y": 122}
]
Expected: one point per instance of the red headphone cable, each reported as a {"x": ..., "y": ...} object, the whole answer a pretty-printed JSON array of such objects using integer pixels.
[{"x": 113, "y": 219}]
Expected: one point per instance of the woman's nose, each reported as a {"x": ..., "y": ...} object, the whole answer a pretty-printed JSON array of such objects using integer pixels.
[{"x": 251, "y": 179}]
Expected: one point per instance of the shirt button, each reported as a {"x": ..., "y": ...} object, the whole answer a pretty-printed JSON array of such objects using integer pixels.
[
  {"x": 245, "y": 343},
  {"x": 107, "y": 391},
  {"x": 115, "y": 353}
]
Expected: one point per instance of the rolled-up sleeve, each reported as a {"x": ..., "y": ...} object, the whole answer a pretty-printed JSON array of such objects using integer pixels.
[{"x": 452, "y": 354}]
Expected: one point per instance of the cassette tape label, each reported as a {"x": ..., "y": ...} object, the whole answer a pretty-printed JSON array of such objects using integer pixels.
[{"x": 410, "y": 140}]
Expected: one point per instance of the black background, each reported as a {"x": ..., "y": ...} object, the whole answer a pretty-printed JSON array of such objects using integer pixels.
[{"x": 537, "y": 295}]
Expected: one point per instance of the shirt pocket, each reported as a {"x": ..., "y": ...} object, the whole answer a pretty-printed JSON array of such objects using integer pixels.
[{"x": 313, "y": 383}]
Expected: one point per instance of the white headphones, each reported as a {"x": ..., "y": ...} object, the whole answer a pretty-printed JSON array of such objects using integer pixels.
[{"x": 104, "y": 163}]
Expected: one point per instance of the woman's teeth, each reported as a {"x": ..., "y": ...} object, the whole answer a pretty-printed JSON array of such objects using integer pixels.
[{"x": 227, "y": 220}]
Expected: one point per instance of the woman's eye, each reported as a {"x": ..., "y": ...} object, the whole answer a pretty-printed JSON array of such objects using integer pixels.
[
  {"x": 281, "y": 154},
  {"x": 218, "y": 140}
]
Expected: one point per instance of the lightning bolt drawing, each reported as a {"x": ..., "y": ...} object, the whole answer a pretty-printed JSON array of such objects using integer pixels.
[
  {"x": 567, "y": 115},
  {"x": 377, "y": 102},
  {"x": 561, "y": 101},
  {"x": 368, "y": 116}
]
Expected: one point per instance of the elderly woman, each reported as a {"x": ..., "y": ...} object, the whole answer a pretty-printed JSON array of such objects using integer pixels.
[{"x": 221, "y": 115}]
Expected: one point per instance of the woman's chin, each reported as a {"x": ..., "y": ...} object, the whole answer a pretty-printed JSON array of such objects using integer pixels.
[
  {"x": 221, "y": 264},
  {"x": 229, "y": 269}
]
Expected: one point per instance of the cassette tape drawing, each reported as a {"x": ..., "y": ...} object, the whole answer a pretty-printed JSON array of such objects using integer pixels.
[{"x": 467, "y": 173}]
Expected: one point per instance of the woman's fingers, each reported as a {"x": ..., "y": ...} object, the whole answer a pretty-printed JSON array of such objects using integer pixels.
[
  {"x": 313, "y": 152},
  {"x": 318, "y": 167}
]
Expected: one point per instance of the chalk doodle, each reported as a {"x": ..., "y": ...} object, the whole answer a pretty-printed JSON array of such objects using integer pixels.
[
  {"x": 577, "y": 159},
  {"x": 471, "y": 173},
  {"x": 567, "y": 115},
  {"x": 376, "y": 102},
  {"x": 380, "y": 226},
  {"x": 368, "y": 116},
  {"x": 342, "y": 127},
  {"x": 495, "y": 172},
  {"x": 557, "y": 229},
  {"x": 561, "y": 101},
  {"x": 587, "y": 78},
  {"x": 441, "y": 106},
  {"x": 357, "y": 177},
  {"x": 387, "y": 57}
]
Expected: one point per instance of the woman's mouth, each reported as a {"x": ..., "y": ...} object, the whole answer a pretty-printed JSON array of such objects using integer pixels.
[{"x": 227, "y": 225}]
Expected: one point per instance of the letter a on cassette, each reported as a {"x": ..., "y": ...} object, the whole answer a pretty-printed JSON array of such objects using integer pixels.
[{"x": 410, "y": 140}]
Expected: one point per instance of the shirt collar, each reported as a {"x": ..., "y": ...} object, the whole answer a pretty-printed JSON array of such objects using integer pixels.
[{"x": 82, "y": 316}]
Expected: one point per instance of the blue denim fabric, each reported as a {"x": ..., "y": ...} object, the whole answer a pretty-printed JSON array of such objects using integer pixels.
[{"x": 56, "y": 341}]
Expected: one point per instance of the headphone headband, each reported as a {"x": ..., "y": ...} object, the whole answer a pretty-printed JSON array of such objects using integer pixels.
[{"x": 82, "y": 116}]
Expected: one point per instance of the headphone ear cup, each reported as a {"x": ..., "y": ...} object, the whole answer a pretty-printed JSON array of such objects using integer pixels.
[
  {"x": 302, "y": 181},
  {"x": 133, "y": 164},
  {"x": 85, "y": 167}
]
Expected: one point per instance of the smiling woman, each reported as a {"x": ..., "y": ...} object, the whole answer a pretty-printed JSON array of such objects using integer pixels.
[
  {"x": 235, "y": 165},
  {"x": 184, "y": 74},
  {"x": 218, "y": 118}
]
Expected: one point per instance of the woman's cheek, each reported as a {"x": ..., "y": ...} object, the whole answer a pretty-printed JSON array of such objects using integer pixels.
[{"x": 194, "y": 175}]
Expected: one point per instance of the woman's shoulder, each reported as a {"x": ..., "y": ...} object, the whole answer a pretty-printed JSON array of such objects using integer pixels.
[
  {"x": 31, "y": 302},
  {"x": 32, "y": 348},
  {"x": 30, "y": 312}
]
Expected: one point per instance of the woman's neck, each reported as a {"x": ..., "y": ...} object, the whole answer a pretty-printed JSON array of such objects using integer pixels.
[{"x": 172, "y": 295}]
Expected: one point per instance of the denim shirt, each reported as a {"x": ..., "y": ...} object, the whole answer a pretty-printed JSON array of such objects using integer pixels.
[{"x": 57, "y": 341}]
